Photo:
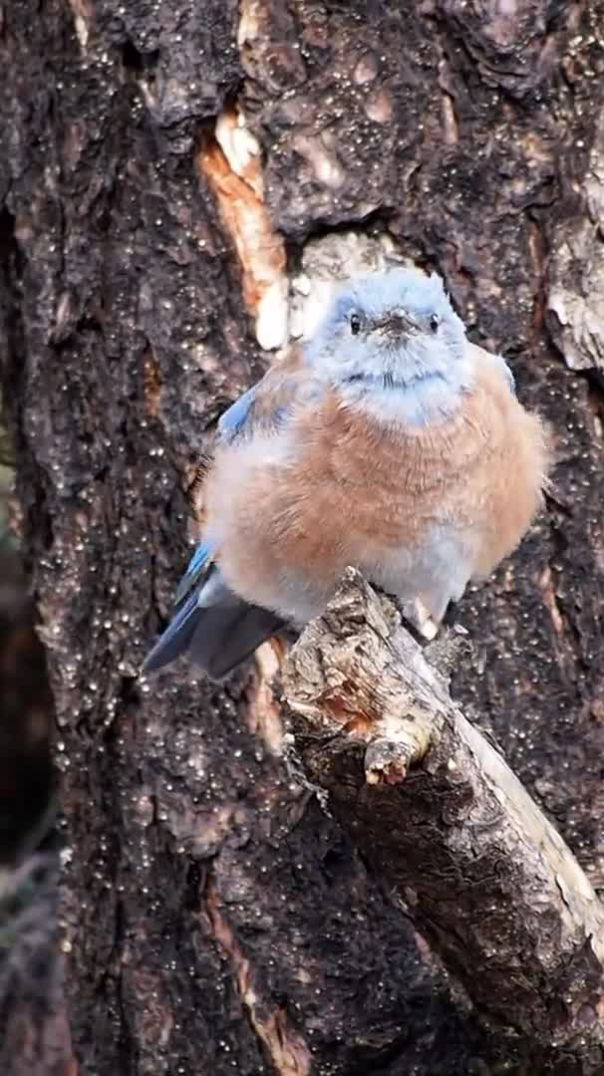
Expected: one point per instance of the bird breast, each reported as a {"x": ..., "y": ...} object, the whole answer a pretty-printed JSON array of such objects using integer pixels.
[{"x": 338, "y": 487}]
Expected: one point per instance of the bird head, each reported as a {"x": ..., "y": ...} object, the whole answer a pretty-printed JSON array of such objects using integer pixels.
[{"x": 394, "y": 328}]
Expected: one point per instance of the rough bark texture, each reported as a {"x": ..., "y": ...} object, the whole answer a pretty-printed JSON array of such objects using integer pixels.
[
  {"x": 216, "y": 920},
  {"x": 448, "y": 827}
]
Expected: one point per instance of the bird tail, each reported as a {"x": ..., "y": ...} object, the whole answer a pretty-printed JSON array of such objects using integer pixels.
[{"x": 219, "y": 629}]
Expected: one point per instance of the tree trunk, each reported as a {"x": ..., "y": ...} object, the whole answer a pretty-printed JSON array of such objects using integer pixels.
[{"x": 214, "y": 919}]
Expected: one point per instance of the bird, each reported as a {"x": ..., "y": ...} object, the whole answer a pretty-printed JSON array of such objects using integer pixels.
[{"x": 388, "y": 442}]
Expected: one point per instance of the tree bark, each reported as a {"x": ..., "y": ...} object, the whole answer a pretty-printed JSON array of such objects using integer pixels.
[
  {"x": 448, "y": 827},
  {"x": 213, "y": 918}
]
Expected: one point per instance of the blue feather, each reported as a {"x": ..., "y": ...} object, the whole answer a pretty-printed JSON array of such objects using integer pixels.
[
  {"x": 219, "y": 629},
  {"x": 197, "y": 567},
  {"x": 177, "y": 636},
  {"x": 232, "y": 422}
]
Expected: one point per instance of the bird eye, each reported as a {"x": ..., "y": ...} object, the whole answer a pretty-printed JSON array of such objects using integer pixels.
[
  {"x": 434, "y": 322},
  {"x": 355, "y": 324}
]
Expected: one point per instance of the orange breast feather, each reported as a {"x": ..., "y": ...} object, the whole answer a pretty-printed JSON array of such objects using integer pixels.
[{"x": 342, "y": 485}]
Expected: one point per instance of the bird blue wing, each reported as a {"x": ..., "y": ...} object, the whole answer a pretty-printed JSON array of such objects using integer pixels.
[
  {"x": 264, "y": 405},
  {"x": 230, "y": 424},
  {"x": 216, "y": 626},
  {"x": 259, "y": 408},
  {"x": 269, "y": 403},
  {"x": 177, "y": 636},
  {"x": 196, "y": 571},
  {"x": 236, "y": 417},
  {"x": 179, "y": 633},
  {"x": 218, "y": 629}
]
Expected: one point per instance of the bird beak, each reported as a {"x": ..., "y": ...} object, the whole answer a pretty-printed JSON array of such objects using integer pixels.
[{"x": 396, "y": 324}]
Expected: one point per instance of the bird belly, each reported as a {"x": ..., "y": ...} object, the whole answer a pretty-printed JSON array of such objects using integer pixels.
[
  {"x": 436, "y": 570},
  {"x": 285, "y": 535}
]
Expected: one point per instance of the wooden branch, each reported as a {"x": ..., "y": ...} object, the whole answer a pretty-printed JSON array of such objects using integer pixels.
[{"x": 447, "y": 826}]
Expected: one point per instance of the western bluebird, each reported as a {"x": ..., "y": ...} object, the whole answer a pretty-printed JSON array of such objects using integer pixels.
[{"x": 387, "y": 442}]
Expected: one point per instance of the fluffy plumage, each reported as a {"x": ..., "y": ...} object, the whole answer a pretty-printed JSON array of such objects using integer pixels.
[{"x": 388, "y": 442}]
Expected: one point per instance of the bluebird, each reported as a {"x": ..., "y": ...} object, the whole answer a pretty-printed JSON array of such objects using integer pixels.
[{"x": 387, "y": 442}]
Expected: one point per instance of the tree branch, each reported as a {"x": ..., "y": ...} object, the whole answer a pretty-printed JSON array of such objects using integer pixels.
[{"x": 447, "y": 826}]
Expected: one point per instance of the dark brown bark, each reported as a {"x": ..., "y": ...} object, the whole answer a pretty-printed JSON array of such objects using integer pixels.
[
  {"x": 216, "y": 920},
  {"x": 448, "y": 827}
]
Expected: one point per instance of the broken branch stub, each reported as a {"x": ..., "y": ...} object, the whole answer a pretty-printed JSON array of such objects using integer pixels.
[{"x": 435, "y": 809}]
